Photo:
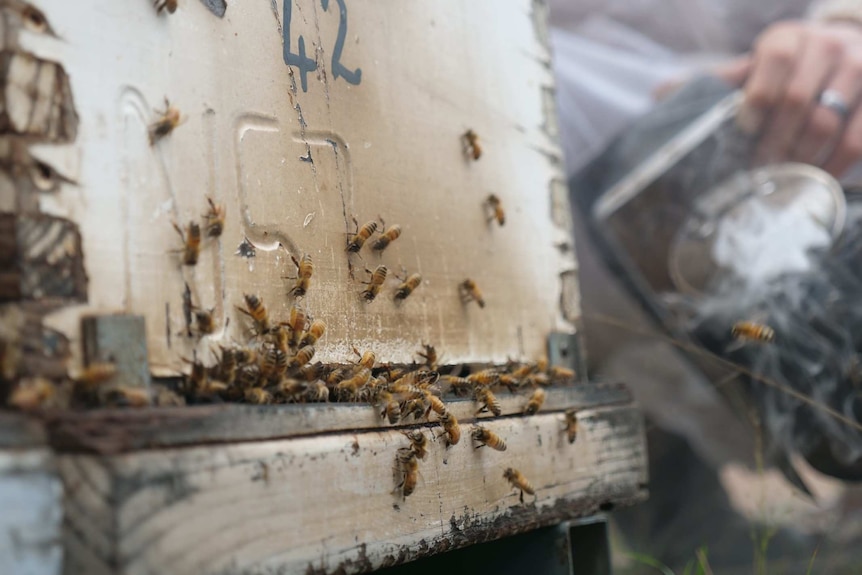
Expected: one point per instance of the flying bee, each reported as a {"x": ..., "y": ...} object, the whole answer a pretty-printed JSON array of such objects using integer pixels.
[
  {"x": 257, "y": 312},
  {"x": 304, "y": 271},
  {"x": 388, "y": 236},
  {"x": 519, "y": 482},
  {"x": 314, "y": 333},
  {"x": 487, "y": 401},
  {"x": 32, "y": 393},
  {"x": 391, "y": 407},
  {"x": 486, "y": 437},
  {"x": 535, "y": 402},
  {"x": 168, "y": 120},
  {"x": 191, "y": 242},
  {"x": 302, "y": 357},
  {"x": 408, "y": 286},
  {"x": 429, "y": 356},
  {"x": 470, "y": 291},
  {"x": 496, "y": 206},
  {"x": 557, "y": 372},
  {"x": 418, "y": 442},
  {"x": 472, "y": 148},
  {"x": 214, "y": 219},
  {"x": 452, "y": 430},
  {"x": 204, "y": 322},
  {"x": 258, "y": 396},
  {"x": 408, "y": 466},
  {"x": 362, "y": 234},
  {"x": 571, "y": 425},
  {"x": 378, "y": 276},
  {"x": 169, "y": 5},
  {"x": 748, "y": 330}
]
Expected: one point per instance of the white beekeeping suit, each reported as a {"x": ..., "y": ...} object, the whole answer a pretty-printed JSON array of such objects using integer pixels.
[{"x": 609, "y": 58}]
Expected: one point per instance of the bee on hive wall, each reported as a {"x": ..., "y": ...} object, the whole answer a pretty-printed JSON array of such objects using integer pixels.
[{"x": 167, "y": 122}]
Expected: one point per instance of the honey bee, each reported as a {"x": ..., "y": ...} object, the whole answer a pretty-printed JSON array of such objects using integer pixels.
[
  {"x": 434, "y": 403},
  {"x": 168, "y": 120},
  {"x": 317, "y": 391},
  {"x": 96, "y": 374},
  {"x": 296, "y": 323},
  {"x": 258, "y": 396},
  {"x": 245, "y": 355},
  {"x": 459, "y": 385},
  {"x": 348, "y": 388},
  {"x": 391, "y": 407},
  {"x": 311, "y": 371},
  {"x": 749, "y": 330},
  {"x": 304, "y": 271},
  {"x": 337, "y": 375},
  {"x": 523, "y": 371},
  {"x": 257, "y": 312},
  {"x": 362, "y": 234},
  {"x": 378, "y": 276},
  {"x": 418, "y": 442},
  {"x": 497, "y": 208},
  {"x": 302, "y": 357},
  {"x": 510, "y": 382},
  {"x": 191, "y": 241},
  {"x": 366, "y": 359},
  {"x": 388, "y": 236},
  {"x": 32, "y": 393},
  {"x": 471, "y": 145},
  {"x": 204, "y": 322},
  {"x": 408, "y": 286},
  {"x": 557, "y": 372},
  {"x": 273, "y": 363},
  {"x": 470, "y": 291},
  {"x": 314, "y": 333},
  {"x": 249, "y": 375},
  {"x": 571, "y": 425},
  {"x": 535, "y": 402},
  {"x": 537, "y": 379},
  {"x": 429, "y": 356},
  {"x": 293, "y": 389},
  {"x": 488, "y": 401},
  {"x": 486, "y": 377},
  {"x": 214, "y": 219},
  {"x": 486, "y": 437},
  {"x": 519, "y": 482},
  {"x": 408, "y": 466},
  {"x": 452, "y": 430},
  {"x": 169, "y": 5},
  {"x": 127, "y": 396},
  {"x": 413, "y": 408}
]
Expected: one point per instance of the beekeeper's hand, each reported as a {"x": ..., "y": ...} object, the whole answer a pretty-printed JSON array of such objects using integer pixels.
[{"x": 803, "y": 84}]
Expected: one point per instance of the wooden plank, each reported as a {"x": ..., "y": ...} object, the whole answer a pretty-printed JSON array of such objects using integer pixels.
[
  {"x": 325, "y": 504},
  {"x": 31, "y": 516},
  {"x": 115, "y": 431}
]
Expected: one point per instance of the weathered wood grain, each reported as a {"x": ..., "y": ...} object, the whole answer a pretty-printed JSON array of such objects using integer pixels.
[
  {"x": 325, "y": 504},
  {"x": 30, "y": 512},
  {"x": 114, "y": 431}
]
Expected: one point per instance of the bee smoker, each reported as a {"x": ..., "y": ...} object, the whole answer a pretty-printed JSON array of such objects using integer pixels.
[{"x": 702, "y": 239}]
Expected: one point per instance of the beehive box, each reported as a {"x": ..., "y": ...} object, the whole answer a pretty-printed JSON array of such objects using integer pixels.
[{"x": 296, "y": 117}]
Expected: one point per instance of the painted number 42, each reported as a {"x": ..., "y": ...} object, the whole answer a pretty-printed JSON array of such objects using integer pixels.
[{"x": 306, "y": 64}]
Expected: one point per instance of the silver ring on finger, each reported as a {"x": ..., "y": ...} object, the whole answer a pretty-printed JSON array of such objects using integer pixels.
[{"x": 833, "y": 100}]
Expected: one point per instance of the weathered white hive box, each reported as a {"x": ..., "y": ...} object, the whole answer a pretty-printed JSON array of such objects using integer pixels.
[{"x": 297, "y": 116}]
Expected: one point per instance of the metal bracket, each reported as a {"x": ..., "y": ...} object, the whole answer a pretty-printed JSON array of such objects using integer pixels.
[
  {"x": 565, "y": 349},
  {"x": 121, "y": 340}
]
